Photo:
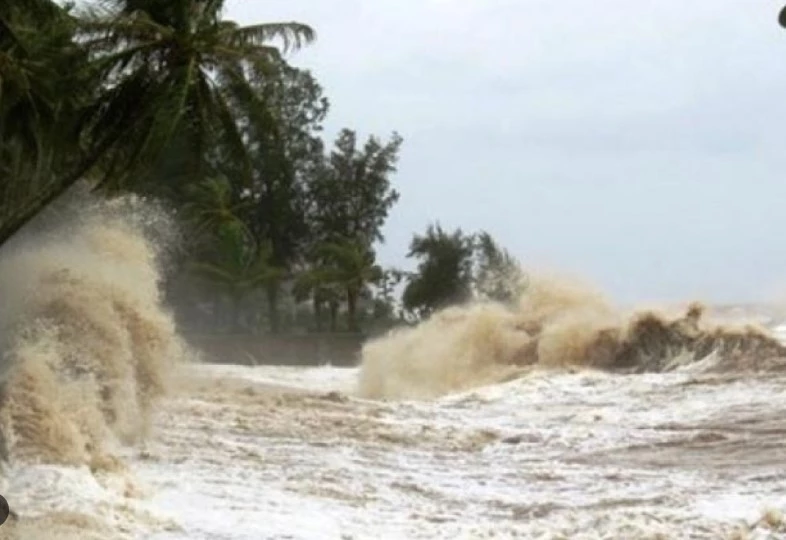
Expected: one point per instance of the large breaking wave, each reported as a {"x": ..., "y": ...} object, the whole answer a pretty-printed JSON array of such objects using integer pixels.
[
  {"x": 86, "y": 344},
  {"x": 554, "y": 324}
]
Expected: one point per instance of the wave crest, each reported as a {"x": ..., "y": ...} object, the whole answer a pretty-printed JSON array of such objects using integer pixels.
[
  {"x": 554, "y": 324},
  {"x": 87, "y": 345}
]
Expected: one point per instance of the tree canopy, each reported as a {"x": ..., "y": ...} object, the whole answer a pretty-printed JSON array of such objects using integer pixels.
[
  {"x": 455, "y": 267},
  {"x": 110, "y": 89},
  {"x": 171, "y": 100},
  {"x": 444, "y": 274}
]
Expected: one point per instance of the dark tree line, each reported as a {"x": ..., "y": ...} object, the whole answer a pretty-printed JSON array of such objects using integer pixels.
[
  {"x": 168, "y": 99},
  {"x": 456, "y": 267}
]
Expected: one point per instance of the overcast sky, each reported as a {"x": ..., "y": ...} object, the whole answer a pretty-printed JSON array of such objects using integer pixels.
[{"x": 639, "y": 145}]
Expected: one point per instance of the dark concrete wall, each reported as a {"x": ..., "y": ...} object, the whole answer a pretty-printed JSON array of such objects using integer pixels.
[{"x": 293, "y": 350}]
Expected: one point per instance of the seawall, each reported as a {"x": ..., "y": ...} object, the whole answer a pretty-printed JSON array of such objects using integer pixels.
[{"x": 290, "y": 350}]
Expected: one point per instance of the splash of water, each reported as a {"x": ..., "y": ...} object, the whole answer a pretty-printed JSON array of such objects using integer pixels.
[
  {"x": 554, "y": 324},
  {"x": 86, "y": 344}
]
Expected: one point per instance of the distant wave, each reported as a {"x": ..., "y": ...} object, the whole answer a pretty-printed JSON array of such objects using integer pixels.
[{"x": 554, "y": 324}]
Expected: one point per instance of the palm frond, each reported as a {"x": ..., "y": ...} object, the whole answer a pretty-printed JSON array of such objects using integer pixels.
[
  {"x": 292, "y": 35},
  {"x": 235, "y": 145},
  {"x": 105, "y": 34}
]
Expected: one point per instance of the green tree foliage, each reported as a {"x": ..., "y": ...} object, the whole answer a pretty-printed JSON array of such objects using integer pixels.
[
  {"x": 350, "y": 265},
  {"x": 176, "y": 66},
  {"x": 456, "y": 267},
  {"x": 340, "y": 270},
  {"x": 42, "y": 131},
  {"x": 169, "y": 99},
  {"x": 349, "y": 195},
  {"x": 212, "y": 205},
  {"x": 282, "y": 120},
  {"x": 237, "y": 263},
  {"x": 445, "y": 272},
  {"x": 279, "y": 117},
  {"x": 160, "y": 75},
  {"x": 498, "y": 276},
  {"x": 316, "y": 283},
  {"x": 385, "y": 307},
  {"x": 352, "y": 195},
  {"x": 385, "y": 300}
]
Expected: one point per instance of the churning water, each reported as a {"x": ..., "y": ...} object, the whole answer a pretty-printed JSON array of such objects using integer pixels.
[{"x": 559, "y": 416}]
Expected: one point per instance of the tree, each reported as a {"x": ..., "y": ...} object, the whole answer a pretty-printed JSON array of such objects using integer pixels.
[
  {"x": 317, "y": 283},
  {"x": 168, "y": 72},
  {"x": 281, "y": 122},
  {"x": 41, "y": 131},
  {"x": 211, "y": 206},
  {"x": 444, "y": 275},
  {"x": 351, "y": 195},
  {"x": 238, "y": 264},
  {"x": 179, "y": 65},
  {"x": 385, "y": 298},
  {"x": 279, "y": 118},
  {"x": 498, "y": 276},
  {"x": 350, "y": 265},
  {"x": 389, "y": 279},
  {"x": 343, "y": 268}
]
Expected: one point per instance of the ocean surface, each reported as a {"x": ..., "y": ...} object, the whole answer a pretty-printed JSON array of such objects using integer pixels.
[
  {"x": 556, "y": 417},
  {"x": 287, "y": 453}
]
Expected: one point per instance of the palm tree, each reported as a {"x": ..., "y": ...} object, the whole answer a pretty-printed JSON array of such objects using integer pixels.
[
  {"x": 280, "y": 114},
  {"x": 213, "y": 205},
  {"x": 348, "y": 265},
  {"x": 239, "y": 265},
  {"x": 444, "y": 274},
  {"x": 318, "y": 283},
  {"x": 40, "y": 66},
  {"x": 175, "y": 66},
  {"x": 170, "y": 70}
]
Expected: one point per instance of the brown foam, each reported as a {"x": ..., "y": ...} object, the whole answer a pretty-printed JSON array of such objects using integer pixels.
[
  {"x": 555, "y": 324},
  {"x": 87, "y": 342}
]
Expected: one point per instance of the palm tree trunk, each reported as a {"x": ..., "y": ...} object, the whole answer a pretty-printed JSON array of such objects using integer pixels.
[
  {"x": 352, "y": 302},
  {"x": 272, "y": 306},
  {"x": 237, "y": 312},
  {"x": 333, "y": 315},
  {"x": 16, "y": 221},
  {"x": 317, "y": 303}
]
